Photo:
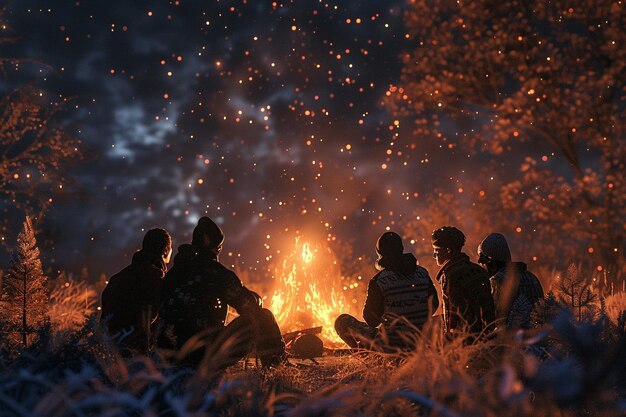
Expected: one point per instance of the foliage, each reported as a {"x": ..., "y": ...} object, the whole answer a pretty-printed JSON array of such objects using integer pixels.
[
  {"x": 615, "y": 306},
  {"x": 542, "y": 79},
  {"x": 582, "y": 374},
  {"x": 35, "y": 148},
  {"x": 442, "y": 208},
  {"x": 71, "y": 304},
  {"x": 23, "y": 295},
  {"x": 573, "y": 290}
]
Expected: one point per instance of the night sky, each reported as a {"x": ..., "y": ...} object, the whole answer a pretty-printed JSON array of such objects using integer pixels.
[{"x": 266, "y": 116}]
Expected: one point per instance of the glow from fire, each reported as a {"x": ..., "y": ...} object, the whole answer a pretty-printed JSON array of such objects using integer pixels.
[{"x": 308, "y": 291}]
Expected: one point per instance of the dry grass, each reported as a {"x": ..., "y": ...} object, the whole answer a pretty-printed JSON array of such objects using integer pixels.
[
  {"x": 565, "y": 368},
  {"x": 501, "y": 376},
  {"x": 615, "y": 306},
  {"x": 71, "y": 304}
]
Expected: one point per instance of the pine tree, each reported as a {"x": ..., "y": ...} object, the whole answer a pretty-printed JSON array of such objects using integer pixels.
[
  {"x": 24, "y": 297},
  {"x": 574, "y": 293}
]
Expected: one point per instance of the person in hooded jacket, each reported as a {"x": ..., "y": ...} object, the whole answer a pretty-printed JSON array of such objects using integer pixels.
[
  {"x": 130, "y": 301},
  {"x": 400, "y": 298},
  {"x": 465, "y": 287},
  {"x": 514, "y": 288},
  {"x": 196, "y": 294}
]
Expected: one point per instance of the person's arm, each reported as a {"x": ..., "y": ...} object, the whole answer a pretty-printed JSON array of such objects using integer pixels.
[
  {"x": 374, "y": 305},
  {"x": 239, "y": 297},
  {"x": 154, "y": 296},
  {"x": 506, "y": 286},
  {"x": 433, "y": 299},
  {"x": 494, "y": 282},
  {"x": 458, "y": 304}
]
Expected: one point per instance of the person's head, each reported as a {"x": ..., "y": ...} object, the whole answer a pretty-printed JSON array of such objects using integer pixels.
[
  {"x": 158, "y": 242},
  {"x": 208, "y": 235},
  {"x": 389, "y": 249},
  {"x": 447, "y": 241},
  {"x": 494, "y": 252}
]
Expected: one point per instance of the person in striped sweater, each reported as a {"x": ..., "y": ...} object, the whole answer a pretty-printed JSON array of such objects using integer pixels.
[
  {"x": 467, "y": 299},
  {"x": 400, "y": 299}
]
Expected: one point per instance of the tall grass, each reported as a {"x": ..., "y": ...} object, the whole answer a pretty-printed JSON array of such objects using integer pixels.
[{"x": 570, "y": 365}]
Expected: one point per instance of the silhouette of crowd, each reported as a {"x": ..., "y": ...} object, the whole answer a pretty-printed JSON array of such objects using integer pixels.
[{"x": 184, "y": 310}]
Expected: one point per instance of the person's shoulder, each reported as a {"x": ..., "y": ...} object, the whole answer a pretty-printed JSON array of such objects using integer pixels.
[
  {"x": 457, "y": 269},
  {"x": 530, "y": 276},
  {"x": 148, "y": 271},
  {"x": 498, "y": 277},
  {"x": 218, "y": 266},
  {"x": 421, "y": 271},
  {"x": 224, "y": 272},
  {"x": 122, "y": 275},
  {"x": 477, "y": 269},
  {"x": 381, "y": 274}
]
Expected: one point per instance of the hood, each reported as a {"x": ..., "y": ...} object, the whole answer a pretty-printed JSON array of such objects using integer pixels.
[
  {"x": 516, "y": 266},
  {"x": 189, "y": 254}
]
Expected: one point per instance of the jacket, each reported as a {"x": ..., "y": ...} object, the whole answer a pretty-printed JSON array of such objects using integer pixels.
[
  {"x": 130, "y": 301},
  {"x": 466, "y": 295},
  {"x": 515, "y": 292},
  {"x": 196, "y": 294}
]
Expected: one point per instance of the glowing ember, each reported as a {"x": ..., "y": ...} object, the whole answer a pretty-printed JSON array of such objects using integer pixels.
[{"x": 308, "y": 291}]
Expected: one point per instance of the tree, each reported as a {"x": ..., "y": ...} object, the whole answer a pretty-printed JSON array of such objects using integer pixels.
[
  {"x": 573, "y": 292},
  {"x": 24, "y": 298},
  {"x": 34, "y": 148},
  {"x": 442, "y": 208},
  {"x": 534, "y": 78}
]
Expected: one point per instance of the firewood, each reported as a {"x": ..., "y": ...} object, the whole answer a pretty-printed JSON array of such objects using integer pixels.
[{"x": 288, "y": 337}]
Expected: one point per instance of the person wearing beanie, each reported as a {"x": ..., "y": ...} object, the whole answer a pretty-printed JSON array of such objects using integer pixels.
[
  {"x": 130, "y": 301},
  {"x": 465, "y": 287},
  {"x": 515, "y": 289},
  {"x": 196, "y": 294},
  {"x": 400, "y": 299}
]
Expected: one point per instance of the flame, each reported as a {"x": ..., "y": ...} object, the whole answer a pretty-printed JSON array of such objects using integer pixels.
[
  {"x": 307, "y": 253},
  {"x": 308, "y": 291}
]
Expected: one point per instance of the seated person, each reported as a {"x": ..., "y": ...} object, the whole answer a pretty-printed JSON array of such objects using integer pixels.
[
  {"x": 196, "y": 294},
  {"x": 130, "y": 301},
  {"x": 514, "y": 288},
  {"x": 400, "y": 299}
]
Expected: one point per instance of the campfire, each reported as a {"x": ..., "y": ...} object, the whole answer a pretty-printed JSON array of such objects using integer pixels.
[{"x": 309, "y": 292}]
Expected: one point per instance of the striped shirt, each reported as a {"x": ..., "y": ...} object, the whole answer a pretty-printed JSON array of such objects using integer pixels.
[{"x": 398, "y": 299}]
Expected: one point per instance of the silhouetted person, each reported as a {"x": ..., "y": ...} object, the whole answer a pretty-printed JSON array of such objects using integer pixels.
[
  {"x": 197, "y": 292},
  {"x": 400, "y": 298},
  {"x": 514, "y": 288},
  {"x": 465, "y": 285},
  {"x": 130, "y": 301}
]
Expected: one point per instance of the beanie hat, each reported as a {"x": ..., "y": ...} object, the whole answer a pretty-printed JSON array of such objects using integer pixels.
[
  {"x": 207, "y": 234},
  {"x": 389, "y": 244},
  {"x": 495, "y": 247},
  {"x": 157, "y": 241},
  {"x": 448, "y": 237}
]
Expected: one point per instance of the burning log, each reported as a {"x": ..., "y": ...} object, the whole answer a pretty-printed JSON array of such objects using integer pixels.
[
  {"x": 291, "y": 336},
  {"x": 308, "y": 346}
]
